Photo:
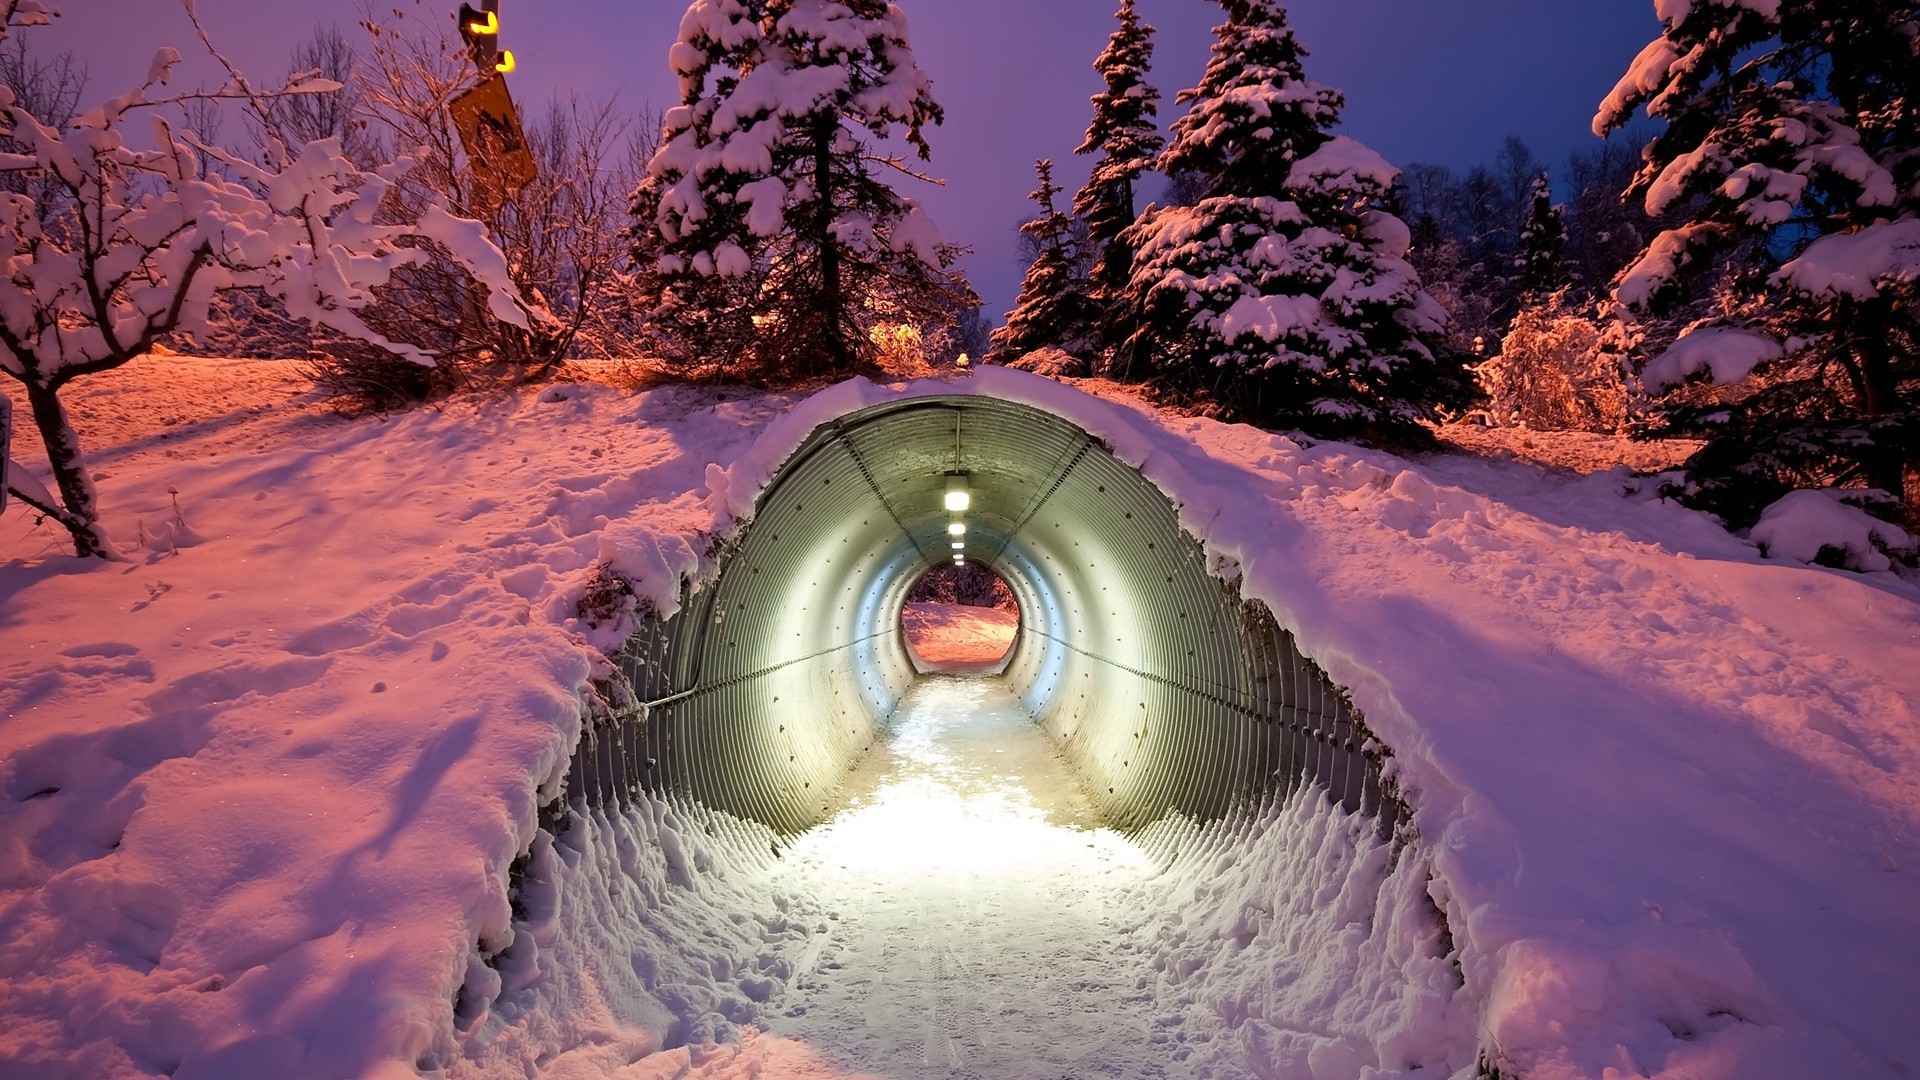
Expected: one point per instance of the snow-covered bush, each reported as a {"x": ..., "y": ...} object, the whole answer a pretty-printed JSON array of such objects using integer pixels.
[
  {"x": 1053, "y": 363},
  {"x": 1831, "y": 527},
  {"x": 134, "y": 244},
  {"x": 1554, "y": 374},
  {"x": 561, "y": 232}
]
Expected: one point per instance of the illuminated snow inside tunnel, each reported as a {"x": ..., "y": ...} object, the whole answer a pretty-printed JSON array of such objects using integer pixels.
[{"x": 1162, "y": 688}]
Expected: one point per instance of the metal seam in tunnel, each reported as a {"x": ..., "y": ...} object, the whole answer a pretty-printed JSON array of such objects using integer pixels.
[
  {"x": 1164, "y": 690},
  {"x": 867, "y": 474},
  {"x": 696, "y": 691},
  {"x": 1060, "y": 478}
]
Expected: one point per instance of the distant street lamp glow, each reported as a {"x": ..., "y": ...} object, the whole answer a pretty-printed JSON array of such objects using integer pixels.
[{"x": 957, "y": 497}]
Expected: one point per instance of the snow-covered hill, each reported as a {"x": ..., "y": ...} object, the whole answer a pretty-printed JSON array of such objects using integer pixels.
[
  {"x": 947, "y": 634},
  {"x": 260, "y": 787}
]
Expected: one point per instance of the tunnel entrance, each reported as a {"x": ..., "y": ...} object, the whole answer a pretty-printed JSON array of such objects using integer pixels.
[
  {"x": 971, "y": 852},
  {"x": 1159, "y": 685},
  {"x": 960, "y": 617}
]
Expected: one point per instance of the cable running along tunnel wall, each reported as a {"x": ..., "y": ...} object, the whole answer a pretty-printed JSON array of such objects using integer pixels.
[{"x": 1164, "y": 689}]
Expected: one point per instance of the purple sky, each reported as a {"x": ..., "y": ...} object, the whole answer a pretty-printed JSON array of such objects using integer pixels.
[{"x": 1426, "y": 80}]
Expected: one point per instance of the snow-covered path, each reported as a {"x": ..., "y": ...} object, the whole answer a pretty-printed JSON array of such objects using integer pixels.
[{"x": 973, "y": 898}]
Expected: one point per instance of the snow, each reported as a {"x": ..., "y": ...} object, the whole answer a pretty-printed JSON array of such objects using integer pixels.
[
  {"x": 1857, "y": 264},
  {"x": 262, "y": 783},
  {"x": 1804, "y": 524},
  {"x": 1660, "y": 264},
  {"x": 959, "y": 634},
  {"x": 1726, "y": 353},
  {"x": 1645, "y": 76},
  {"x": 1271, "y": 318},
  {"x": 1343, "y": 164}
]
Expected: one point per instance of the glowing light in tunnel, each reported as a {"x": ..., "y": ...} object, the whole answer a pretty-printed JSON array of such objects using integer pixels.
[
  {"x": 958, "y": 528},
  {"x": 959, "y": 544},
  {"x": 958, "y": 498}
]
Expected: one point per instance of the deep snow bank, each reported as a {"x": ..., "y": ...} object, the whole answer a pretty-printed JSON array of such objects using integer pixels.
[{"x": 260, "y": 788}]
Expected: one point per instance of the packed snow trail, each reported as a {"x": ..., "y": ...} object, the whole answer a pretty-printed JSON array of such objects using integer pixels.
[{"x": 974, "y": 900}]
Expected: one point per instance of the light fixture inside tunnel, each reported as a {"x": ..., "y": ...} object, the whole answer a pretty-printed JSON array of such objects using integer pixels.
[
  {"x": 957, "y": 497},
  {"x": 958, "y": 528},
  {"x": 959, "y": 545}
]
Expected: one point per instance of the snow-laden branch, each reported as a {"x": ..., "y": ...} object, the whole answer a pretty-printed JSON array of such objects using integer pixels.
[{"x": 124, "y": 246}]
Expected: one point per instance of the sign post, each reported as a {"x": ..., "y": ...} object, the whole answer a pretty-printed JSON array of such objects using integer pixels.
[
  {"x": 6, "y": 445},
  {"x": 488, "y": 123}
]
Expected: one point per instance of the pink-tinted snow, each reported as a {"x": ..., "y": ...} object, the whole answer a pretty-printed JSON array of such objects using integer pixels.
[
  {"x": 259, "y": 787},
  {"x": 945, "y": 634}
]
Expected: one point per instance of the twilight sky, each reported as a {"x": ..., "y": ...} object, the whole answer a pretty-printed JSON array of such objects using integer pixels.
[{"x": 1426, "y": 80}]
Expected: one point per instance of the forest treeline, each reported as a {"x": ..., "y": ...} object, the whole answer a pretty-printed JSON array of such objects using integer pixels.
[{"x": 1733, "y": 259}]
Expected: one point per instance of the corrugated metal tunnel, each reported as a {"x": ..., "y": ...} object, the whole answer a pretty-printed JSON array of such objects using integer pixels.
[{"x": 1165, "y": 690}]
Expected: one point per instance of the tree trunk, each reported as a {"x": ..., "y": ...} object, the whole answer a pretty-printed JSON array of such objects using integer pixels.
[
  {"x": 1880, "y": 392},
  {"x": 833, "y": 302},
  {"x": 82, "y": 517}
]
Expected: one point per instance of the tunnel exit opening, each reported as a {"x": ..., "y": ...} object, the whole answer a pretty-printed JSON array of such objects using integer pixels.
[{"x": 960, "y": 618}]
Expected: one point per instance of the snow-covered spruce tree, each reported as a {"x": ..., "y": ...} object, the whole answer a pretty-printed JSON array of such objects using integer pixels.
[
  {"x": 1126, "y": 134},
  {"x": 1283, "y": 297},
  {"x": 1053, "y": 309},
  {"x": 700, "y": 232},
  {"x": 1552, "y": 370},
  {"x": 1791, "y": 150},
  {"x": 1542, "y": 259},
  {"x": 138, "y": 242},
  {"x": 766, "y": 215}
]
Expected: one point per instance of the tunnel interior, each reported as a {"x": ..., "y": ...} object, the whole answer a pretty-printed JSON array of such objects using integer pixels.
[{"x": 1162, "y": 687}]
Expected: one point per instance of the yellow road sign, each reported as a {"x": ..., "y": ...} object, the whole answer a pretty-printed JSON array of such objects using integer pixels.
[{"x": 496, "y": 146}]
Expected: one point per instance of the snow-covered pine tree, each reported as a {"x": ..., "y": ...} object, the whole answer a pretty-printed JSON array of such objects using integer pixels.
[
  {"x": 777, "y": 233},
  {"x": 1790, "y": 149},
  {"x": 700, "y": 233},
  {"x": 1284, "y": 296},
  {"x": 1542, "y": 259},
  {"x": 1053, "y": 308},
  {"x": 1126, "y": 134},
  {"x": 860, "y": 255}
]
